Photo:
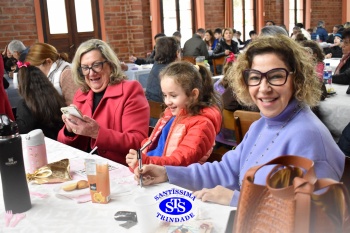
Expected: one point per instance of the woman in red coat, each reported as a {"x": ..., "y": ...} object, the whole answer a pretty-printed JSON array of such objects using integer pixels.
[
  {"x": 5, "y": 107},
  {"x": 115, "y": 111}
]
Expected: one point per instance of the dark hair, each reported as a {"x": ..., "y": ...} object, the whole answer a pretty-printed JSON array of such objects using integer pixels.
[
  {"x": 346, "y": 33},
  {"x": 300, "y": 37},
  {"x": 218, "y": 30},
  {"x": 189, "y": 77},
  {"x": 201, "y": 30},
  {"x": 273, "y": 23},
  {"x": 177, "y": 33},
  {"x": 159, "y": 35},
  {"x": 166, "y": 49},
  {"x": 211, "y": 41},
  {"x": 299, "y": 25},
  {"x": 315, "y": 49},
  {"x": 252, "y": 33},
  {"x": 40, "y": 96}
]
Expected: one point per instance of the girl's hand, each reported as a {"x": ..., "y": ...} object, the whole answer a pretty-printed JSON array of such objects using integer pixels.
[
  {"x": 219, "y": 195},
  {"x": 131, "y": 158},
  {"x": 151, "y": 174}
]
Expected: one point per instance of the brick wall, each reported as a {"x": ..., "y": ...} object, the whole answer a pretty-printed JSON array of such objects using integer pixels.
[
  {"x": 17, "y": 21},
  {"x": 215, "y": 14},
  {"x": 128, "y": 26}
]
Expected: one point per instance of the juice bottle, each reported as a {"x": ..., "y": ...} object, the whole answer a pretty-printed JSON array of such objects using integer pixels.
[{"x": 102, "y": 182}]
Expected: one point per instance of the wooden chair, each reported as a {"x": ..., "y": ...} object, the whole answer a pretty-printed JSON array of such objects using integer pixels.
[
  {"x": 217, "y": 62},
  {"x": 228, "y": 123},
  {"x": 189, "y": 59},
  {"x": 156, "y": 108},
  {"x": 243, "y": 120},
  {"x": 346, "y": 175}
]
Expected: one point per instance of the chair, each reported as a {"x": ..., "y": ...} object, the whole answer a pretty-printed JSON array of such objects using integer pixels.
[
  {"x": 219, "y": 61},
  {"x": 228, "y": 123},
  {"x": 156, "y": 108},
  {"x": 243, "y": 119},
  {"x": 346, "y": 175},
  {"x": 189, "y": 59}
]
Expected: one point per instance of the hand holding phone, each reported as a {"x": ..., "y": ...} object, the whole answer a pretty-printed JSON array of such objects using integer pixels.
[{"x": 72, "y": 110}]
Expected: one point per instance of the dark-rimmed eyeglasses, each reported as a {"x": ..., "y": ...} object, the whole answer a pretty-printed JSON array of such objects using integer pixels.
[
  {"x": 275, "y": 77},
  {"x": 96, "y": 67}
]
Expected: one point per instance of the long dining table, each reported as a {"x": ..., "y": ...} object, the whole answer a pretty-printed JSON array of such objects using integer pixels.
[
  {"x": 335, "y": 110},
  {"x": 54, "y": 211}
]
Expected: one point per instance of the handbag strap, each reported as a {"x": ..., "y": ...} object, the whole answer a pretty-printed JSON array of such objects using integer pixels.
[{"x": 287, "y": 160}]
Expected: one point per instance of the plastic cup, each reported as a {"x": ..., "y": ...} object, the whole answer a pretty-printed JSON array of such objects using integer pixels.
[
  {"x": 15, "y": 81},
  {"x": 146, "y": 210}
]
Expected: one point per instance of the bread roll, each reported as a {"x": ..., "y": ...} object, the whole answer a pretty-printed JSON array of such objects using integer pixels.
[
  {"x": 82, "y": 184},
  {"x": 69, "y": 187}
]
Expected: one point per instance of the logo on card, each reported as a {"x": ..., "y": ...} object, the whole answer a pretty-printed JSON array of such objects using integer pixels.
[
  {"x": 175, "y": 205},
  {"x": 11, "y": 162}
]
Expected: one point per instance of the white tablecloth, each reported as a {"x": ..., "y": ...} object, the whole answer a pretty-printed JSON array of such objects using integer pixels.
[
  {"x": 139, "y": 73},
  {"x": 57, "y": 214},
  {"x": 335, "y": 110}
]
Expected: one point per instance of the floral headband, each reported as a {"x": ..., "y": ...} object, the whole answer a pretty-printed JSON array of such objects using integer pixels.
[
  {"x": 21, "y": 64},
  {"x": 230, "y": 58}
]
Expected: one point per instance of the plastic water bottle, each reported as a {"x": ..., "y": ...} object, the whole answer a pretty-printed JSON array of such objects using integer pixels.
[
  {"x": 329, "y": 70},
  {"x": 13, "y": 178},
  {"x": 325, "y": 76},
  {"x": 318, "y": 38}
]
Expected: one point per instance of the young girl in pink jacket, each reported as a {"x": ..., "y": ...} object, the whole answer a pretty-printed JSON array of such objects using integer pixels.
[{"x": 185, "y": 133}]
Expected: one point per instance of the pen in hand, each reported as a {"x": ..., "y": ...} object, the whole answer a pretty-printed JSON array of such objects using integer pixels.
[{"x": 139, "y": 158}]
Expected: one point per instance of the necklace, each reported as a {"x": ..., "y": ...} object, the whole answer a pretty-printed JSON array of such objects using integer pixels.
[{"x": 297, "y": 109}]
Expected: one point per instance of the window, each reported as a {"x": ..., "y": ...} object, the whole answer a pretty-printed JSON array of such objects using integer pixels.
[
  {"x": 57, "y": 10},
  {"x": 244, "y": 17},
  {"x": 296, "y": 13},
  {"x": 177, "y": 16},
  {"x": 83, "y": 14}
]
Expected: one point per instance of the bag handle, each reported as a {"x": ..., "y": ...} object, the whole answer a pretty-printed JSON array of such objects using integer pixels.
[{"x": 287, "y": 160}]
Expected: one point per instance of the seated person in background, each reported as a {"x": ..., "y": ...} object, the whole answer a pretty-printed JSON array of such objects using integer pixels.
[
  {"x": 115, "y": 111},
  {"x": 269, "y": 23},
  {"x": 18, "y": 50},
  {"x": 40, "y": 105},
  {"x": 195, "y": 46},
  {"x": 238, "y": 35},
  {"x": 344, "y": 141},
  {"x": 342, "y": 72},
  {"x": 335, "y": 50},
  {"x": 226, "y": 45},
  {"x": 9, "y": 61},
  {"x": 218, "y": 36},
  {"x": 253, "y": 35},
  {"x": 331, "y": 36},
  {"x": 56, "y": 67},
  {"x": 5, "y": 107},
  {"x": 150, "y": 56},
  {"x": 177, "y": 35},
  {"x": 168, "y": 50},
  {"x": 209, "y": 40},
  {"x": 186, "y": 132},
  {"x": 305, "y": 33},
  {"x": 275, "y": 75}
]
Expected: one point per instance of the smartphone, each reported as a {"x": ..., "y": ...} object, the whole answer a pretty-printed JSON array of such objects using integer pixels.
[{"x": 72, "y": 110}]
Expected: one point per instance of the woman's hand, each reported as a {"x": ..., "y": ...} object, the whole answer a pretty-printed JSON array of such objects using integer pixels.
[
  {"x": 131, "y": 158},
  {"x": 329, "y": 55},
  {"x": 151, "y": 174},
  {"x": 219, "y": 195},
  {"x": 86, "y": 126}
]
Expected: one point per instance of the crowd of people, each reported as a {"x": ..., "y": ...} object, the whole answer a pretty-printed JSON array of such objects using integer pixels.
[{"x": 272, "y": 72}]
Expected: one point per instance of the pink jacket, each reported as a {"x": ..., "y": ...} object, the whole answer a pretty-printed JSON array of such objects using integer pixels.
[
  {"x": 123, "y": 116},
  {"x": 190, "y": 139}
]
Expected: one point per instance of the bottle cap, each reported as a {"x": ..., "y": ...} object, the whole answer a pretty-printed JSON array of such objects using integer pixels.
[
  {"x": 8, "y": 128},
  {"x": 35, "y": 137},
  {"x": 328, "y": 64}
]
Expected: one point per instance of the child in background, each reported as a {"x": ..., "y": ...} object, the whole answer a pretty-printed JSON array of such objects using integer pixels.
[{"x": 185, "y": 134}]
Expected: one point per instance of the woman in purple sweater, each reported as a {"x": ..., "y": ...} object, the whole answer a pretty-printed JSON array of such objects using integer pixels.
[{"x": 276, "y": 75}]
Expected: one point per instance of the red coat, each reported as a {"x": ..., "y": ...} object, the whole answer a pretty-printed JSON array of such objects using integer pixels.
[
  {"x": 123, "y": 116},
  {"x": 5, "y": 107},
  {"x": 190, "y": 139}
]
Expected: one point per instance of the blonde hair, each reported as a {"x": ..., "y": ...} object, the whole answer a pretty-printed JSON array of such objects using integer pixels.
[
  {"x": 39, "y": 52},
  {"x": 116, "y": 75},
  {"x": 307, "y": 87}
]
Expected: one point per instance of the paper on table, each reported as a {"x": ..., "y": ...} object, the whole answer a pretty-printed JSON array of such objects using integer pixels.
[{"x": 79, "y": 195}]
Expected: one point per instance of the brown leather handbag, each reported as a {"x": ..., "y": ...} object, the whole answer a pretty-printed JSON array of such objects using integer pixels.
[{"x": 293, "y": 200}]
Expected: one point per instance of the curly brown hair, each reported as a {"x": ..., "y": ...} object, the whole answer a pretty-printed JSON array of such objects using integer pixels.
[{"x": 306, "y": 85}]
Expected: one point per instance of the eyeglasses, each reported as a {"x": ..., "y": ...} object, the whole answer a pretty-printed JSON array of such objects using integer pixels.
[
  {"x": 275, "y": 77},
  {"x": 96, "y": 67}
]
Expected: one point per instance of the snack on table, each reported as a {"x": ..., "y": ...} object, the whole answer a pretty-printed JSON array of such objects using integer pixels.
[{"x": 81, "y": 184}]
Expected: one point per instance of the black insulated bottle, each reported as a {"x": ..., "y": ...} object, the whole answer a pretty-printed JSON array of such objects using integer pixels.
[{"x": 13, "y": 176}]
